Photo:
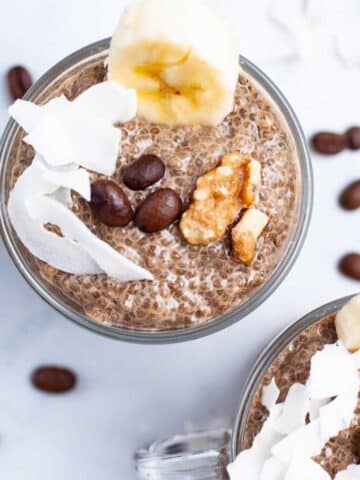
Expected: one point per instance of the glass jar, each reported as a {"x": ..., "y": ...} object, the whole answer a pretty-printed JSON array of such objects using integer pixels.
[
  {"x": 41, "y": 90},
  {"x": 204, "y": 455}
]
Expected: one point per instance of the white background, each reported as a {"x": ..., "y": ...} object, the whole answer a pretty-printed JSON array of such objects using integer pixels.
[{"x": 131, "y": 394}]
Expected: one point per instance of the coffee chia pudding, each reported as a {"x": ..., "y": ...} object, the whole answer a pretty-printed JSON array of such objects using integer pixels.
[
  {"x": 292, "y": 366},
  {"x": 192, "y": 283}
]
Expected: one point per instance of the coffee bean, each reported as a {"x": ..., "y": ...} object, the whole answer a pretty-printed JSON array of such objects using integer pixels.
[
  {"x": 52, "y": 379},
  {"x": 159, "y": 210},
  {"x": 19, "y": 81},
  {"x": 349, "y": 265},
  {"x": 145, "y": 171},
  {"x": 328, "y": 143},
  {"x": 353, "y": 138},
  {"x": 350, "y": 197},
  {"x": 109, "y": 204}
]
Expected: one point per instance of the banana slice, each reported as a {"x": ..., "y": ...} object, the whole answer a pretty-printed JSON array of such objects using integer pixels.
[
  {"x": 180, "y": 58},
  {"x": 347, "y": 324}
]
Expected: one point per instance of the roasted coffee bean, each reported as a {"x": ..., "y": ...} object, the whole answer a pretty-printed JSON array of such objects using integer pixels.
[
  {"x": 328, "y": 143},
  {"x": 350, "y": 197},
  {"x": 109, "y": 204},
  {"x": 145, "y": 171},
  {"x": 52, "y": 379},
  {"x": 349, "y": 265},
  {"x": 19, "y": 82},
  {"x": 159, "y": 210},
  {"x": 353, "y": 138}
]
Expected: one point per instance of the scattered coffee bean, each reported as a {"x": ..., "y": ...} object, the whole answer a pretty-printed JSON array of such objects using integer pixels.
[
  {"x": 109, "y": 204},
  {"x": 353, "y": 138},
  {"x": 159, "y": 210},
  {"x": 329, "y": 143},
  {"x": 349, "y": 265},
  {"x": 145, "y": 171},
  {"x": 53, "y": 379},
  {"x": 350, "y": 197},
  {"x": 19, "y": 81}
]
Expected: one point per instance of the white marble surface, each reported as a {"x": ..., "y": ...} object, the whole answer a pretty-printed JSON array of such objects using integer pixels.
[{"x": 131, "y": 394}]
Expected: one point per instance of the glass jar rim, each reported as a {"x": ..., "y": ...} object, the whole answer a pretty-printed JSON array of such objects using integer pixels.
[
  {"x": 168, "y": 336},
  {"x": 264, "y": 361}
]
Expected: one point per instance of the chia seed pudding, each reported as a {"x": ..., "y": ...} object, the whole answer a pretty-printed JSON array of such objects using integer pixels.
[
  {"x": 192, "y": 284},
  {"x": 292, "y": 365}
]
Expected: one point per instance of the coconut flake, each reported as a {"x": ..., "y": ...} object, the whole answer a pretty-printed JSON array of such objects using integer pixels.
[
  {"x": 314, "y": 407},
  {"x": 59, "y": 252},
  {"x": 249, "y": 463},
  {"x": 305, "y": 440},
  {"x": 338, "y": 414},
  {"x": 88, "y": 142},
  {"x": 273, "y": 469},
  {"x": 63, "y": 195},
  {"x": 76, "y": 179},
  {"x": 331, "y": 371},
  {"x": 28, "y": 114},
  {"x": 109, "y": 260},
  {"x": 109, "y": 101},
  {"x": 80, "y": 131},
  {"x": 306, "y": 469},
  {"x": 66, "y": 135},
  {"x": 351, "y": 473},
  {"x": 295, "y": 408},
  {"x": 270, "y": 394},
  {"x": 78, "y": 251}
]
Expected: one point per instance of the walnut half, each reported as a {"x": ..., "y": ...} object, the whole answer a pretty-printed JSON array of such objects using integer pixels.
[
  {"x": 219, "y": 196},
  {"x": 245, "y": 234}
]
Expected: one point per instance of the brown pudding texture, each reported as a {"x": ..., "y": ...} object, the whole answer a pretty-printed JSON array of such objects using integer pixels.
[
  {"x": 292, "y": 366},
  {"x": 192, "y": 284}
]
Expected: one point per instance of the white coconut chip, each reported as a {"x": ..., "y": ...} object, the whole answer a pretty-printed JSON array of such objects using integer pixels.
[
  {"x": 305, "y": 440},
  {"x": 338, "y": 414},
  {"x": 75, "y": 178},
  {"x": 62, "y": 195},
  {"x": 78, "y": 251},
  {"x": 314, "y": 407},
  {"x": 91, "y": 143},
  {"x": 81, "y": 131},
  {"x": 59, "y": 252},
  {"x": 249, "y": 463},
  {"x": 331, "y": 372},
  {"x": 28, "y": 114},
  {"x": 351, "y": 473},
  {"x": 109, "y": 260},
  {"x": 270, "y": 394},
  {"x": 109, "y": 101},
  {"x": 272, "y": 469},
  {"x": 306, "y": 469},
  {"x": 296, "y": 406}
]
